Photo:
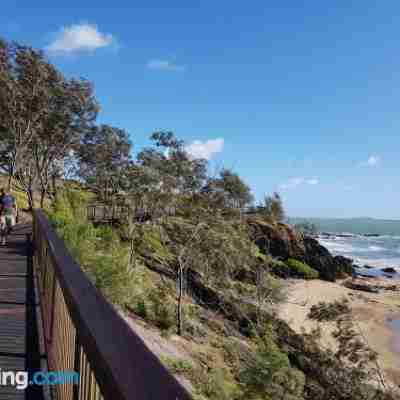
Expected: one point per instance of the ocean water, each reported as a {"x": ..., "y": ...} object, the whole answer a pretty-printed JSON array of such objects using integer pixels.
[{"x": 378, "y": 252}]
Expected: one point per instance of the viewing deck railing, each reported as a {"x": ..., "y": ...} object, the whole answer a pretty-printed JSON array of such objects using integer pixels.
[
  {"x": 85, "y": 334},
  {"x": 103, "y": 213}
]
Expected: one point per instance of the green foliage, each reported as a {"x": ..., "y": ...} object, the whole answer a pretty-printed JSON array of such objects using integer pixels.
[
  {"x": 301, "y": 270},
  {"x": 177, "y": 365},
  {"x": 162, "y": 308},
  {"x": 270, "y": 289},
  {"x": 272, "y": 208},
  {"x": 220, "y": 386},
  {"x": 329, "y": 311},
  {"x": 279, "y": 268},
  {"x": 140, "y": 309},
  {"x": 268, "y": 375},
  {"x": 215, "y": 384},
  {"x": 237, "y": 192},
  {"x": 97, "y": 250}
]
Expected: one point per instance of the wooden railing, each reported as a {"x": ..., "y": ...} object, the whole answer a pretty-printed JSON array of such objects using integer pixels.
[
  {"x": 99, "y": 212},
  {"x": 105, "y": 213},
  {"x": 85, "y": 334}
]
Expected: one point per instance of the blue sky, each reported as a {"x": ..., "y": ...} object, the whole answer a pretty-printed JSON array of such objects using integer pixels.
[{"x": 299, "y": 97}]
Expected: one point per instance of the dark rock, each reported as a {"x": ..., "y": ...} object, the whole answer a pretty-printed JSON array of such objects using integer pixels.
[
  {"x": 345, "y": 265},
  {"x": 368, "y": 267},
  {"x": 330, "y": 268},
  {"x": 389, "y": 270},
  {"x": 319, "y": 258},
  {"x": 364, "y": 287},
  {"x": 281, "y": 241},
  {"x": 366, "y": 275}
]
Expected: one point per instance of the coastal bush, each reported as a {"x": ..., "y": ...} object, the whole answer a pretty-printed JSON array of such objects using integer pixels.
[
  {"x": 269, "y": 375},
  {"x": 301, "y": 270},
  {"x": 162, "y": 308},
  {"x": 220, "y": 385},
  {"x": 329, "y": 311},
  {"x": 98, "y": 251},
  {"x": 177, "y": 365}
]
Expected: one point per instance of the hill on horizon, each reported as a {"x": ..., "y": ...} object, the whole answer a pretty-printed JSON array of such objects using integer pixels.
[{"x": 362, "y": 226}]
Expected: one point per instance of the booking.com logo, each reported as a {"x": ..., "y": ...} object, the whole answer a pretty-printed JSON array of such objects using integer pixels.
[{"x": 20, "y": 379}]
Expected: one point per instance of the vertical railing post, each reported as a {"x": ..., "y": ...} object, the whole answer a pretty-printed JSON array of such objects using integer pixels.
[
  {"x": 77, "y": 366},
  {"x": 53, "y": 306}
]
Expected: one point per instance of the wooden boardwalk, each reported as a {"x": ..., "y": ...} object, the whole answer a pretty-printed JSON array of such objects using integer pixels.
[{"x": 19, "y": 339}]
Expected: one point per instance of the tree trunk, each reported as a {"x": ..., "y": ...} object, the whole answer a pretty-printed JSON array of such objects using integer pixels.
[
  {"x": 10, "y": 178},
  {"x": 180, "y": 298},
  {"x": 54, "y": 185},
  {"x": 42, "y": 197},
  {"x": 132, "y": 261},
  {"x": 31, "y": 201}
]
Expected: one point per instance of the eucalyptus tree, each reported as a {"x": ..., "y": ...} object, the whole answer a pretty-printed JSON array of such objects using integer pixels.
[
  {"x": 176, "y": 175},
  {"x": 273, "y": 208},
  {"x": 229, "y": 190},
  {"x": 72, "y": 112},
  {"x": 103, "y": 158},
  {"x": 24, "y": 99},
  {"x": 43, "y": 117}
]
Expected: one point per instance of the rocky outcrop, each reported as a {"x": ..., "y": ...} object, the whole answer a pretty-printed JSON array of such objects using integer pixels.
[
  {"x": 371, "y": 284},
  {"x": 279, "y": 240},
  {"x": 283, "y": 242},
  {"x": 389, "y": 270}
]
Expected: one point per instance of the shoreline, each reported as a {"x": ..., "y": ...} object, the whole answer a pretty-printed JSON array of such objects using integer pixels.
[
  {"x": 372, "y": 312},
  {"x": 394, "y": 326}
]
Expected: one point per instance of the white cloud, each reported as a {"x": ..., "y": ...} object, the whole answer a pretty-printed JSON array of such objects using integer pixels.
[
  {"x": 373, "y": 161},
  {"x": 164, "y": 65},
  {"x": 79, "y": 38},
  {"x": 207, "y": 149},
  {"x": 293, "y": 183}
]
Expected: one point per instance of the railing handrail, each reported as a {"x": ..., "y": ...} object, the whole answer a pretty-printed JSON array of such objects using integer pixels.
[{"x": 123, "y": 365}]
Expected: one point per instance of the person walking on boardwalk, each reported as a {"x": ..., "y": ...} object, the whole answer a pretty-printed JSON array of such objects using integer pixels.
[{"x": 8, "y": 211}]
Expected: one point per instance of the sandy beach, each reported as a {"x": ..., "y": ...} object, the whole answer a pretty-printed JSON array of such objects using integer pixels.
[{"x": 372, "y": 314}]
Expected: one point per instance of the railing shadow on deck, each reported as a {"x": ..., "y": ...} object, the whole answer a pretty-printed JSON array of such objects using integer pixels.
[{"x": 84, "y": 333}]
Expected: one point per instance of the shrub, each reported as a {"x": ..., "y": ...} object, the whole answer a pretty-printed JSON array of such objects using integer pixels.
[
  {"x": 301, "y": 270},
  {"x": 162, "y": 308},
  {"x": 177, "y": 365},
  {"x": 329, "y": 311},
  {"x": 99, "y": 252},
  {"x": 140, "y": 309},
  {"x": 220, "y": 386},
  {"x": 269, "y": 375}
]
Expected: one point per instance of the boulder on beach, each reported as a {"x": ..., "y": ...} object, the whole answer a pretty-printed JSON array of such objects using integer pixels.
[
  {"x": 364, "y": 286},
  {"x": 389, "y": 270}
]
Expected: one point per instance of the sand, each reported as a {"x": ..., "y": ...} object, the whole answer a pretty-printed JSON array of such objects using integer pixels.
[{"x": 371, "y": 313}]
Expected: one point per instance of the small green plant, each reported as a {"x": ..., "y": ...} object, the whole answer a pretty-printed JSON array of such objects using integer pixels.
[
  {"x": 301, "y": 270},
  {"x": 140, "y": 309},
  {"x": 177, "y": 365}
]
